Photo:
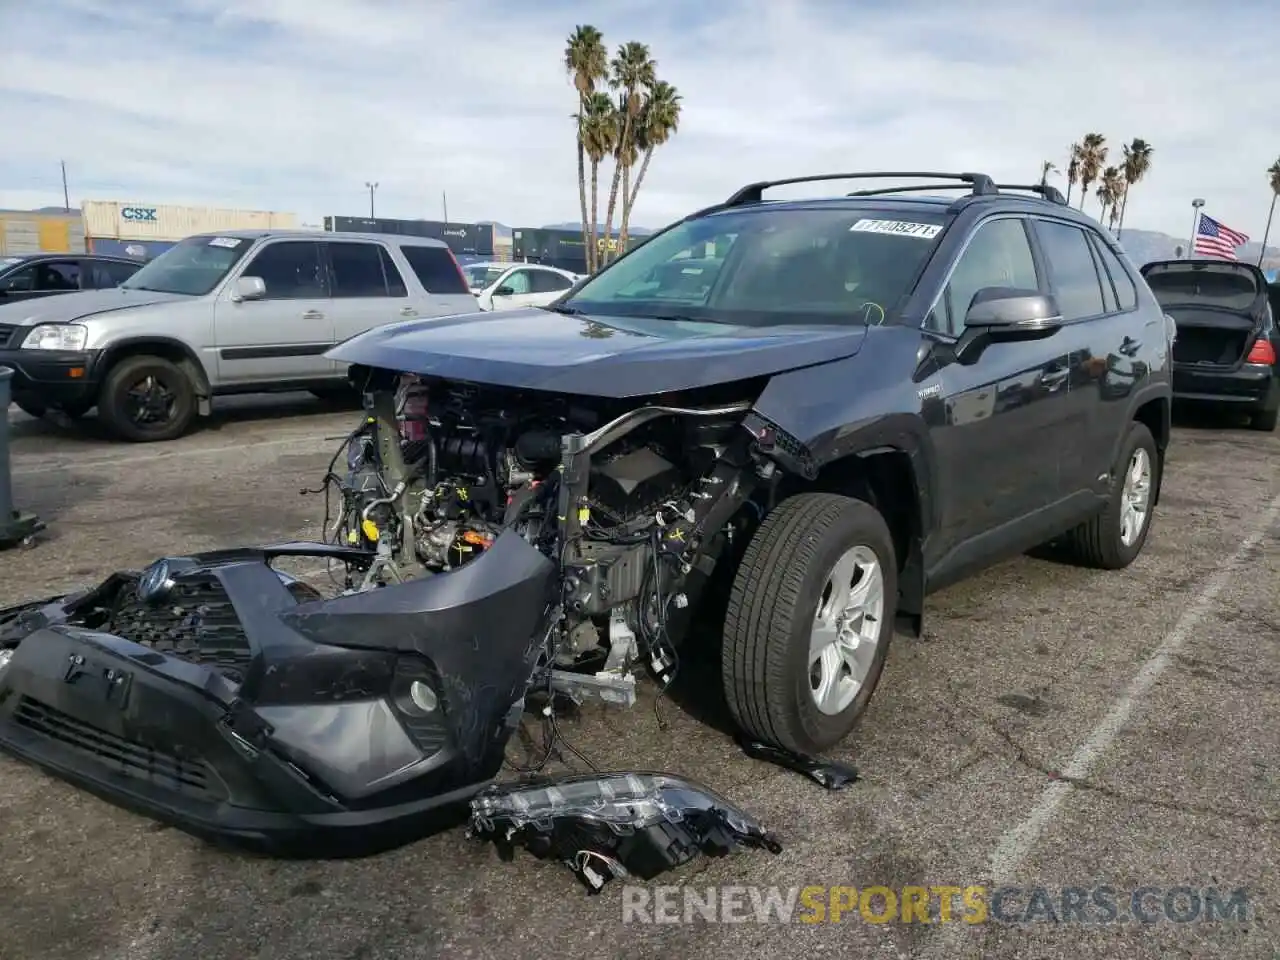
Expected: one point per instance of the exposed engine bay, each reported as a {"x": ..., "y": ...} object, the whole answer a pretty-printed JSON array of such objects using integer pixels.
[{"x": 632, "y": 501}]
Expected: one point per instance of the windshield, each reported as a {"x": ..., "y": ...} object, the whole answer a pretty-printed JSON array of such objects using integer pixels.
[
  {"x": 1204, "y": 285},
  {"x": 760, "y": 267},
  {"x": 193, "y": 267},
  {"x": 483, "y": 274}
]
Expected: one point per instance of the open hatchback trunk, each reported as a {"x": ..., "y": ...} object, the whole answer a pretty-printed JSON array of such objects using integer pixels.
[{"x": 1220, "y": 307}]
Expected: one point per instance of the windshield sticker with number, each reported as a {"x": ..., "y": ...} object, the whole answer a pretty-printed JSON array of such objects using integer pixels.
[
  {"x": 231, "y": 242},
  {"x": 901, "y": 228}
]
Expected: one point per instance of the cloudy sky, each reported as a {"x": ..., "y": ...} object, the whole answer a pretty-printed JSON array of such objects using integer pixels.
[{"x": 294, "y": 104}]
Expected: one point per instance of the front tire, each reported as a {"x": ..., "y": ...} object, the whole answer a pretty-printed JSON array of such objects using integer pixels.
[
  {"x": 1113, "y": 539},
  {"x": 809, "y": 621},
  {"x": 147, "y": 399}
]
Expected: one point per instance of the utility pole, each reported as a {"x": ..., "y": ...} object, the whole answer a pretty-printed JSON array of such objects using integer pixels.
[
  {"x": 372, "y": 187},
  {"x": 444, "y": 201},
  {"x": 66, "y": 197}
]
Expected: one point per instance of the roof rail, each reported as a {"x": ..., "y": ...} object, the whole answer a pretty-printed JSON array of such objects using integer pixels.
[
  {"x": 1052, "y": 194},
  {"x": 982, "y": 184}
]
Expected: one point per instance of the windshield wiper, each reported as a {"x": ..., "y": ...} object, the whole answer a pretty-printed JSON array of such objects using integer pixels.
[{"x": 565, "y": 309}]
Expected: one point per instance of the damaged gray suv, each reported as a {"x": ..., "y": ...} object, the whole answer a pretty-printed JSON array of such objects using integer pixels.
[{"x": 800, "y": 417}]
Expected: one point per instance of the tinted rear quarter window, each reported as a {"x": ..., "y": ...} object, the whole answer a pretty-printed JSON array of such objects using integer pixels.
[
  {"x": 544, "y": 281},
  {"x": 1126, "y": 292},
  {"x": 1071, "y": 270},
  {"x": 435, "y": 269}
]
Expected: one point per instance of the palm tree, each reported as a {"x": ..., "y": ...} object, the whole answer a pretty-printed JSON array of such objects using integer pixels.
[
  {"x": 599, "y": 131},
  {"x": 1093, "y": 154},
  {"x": 587, "y": 62},
  {"x": 659, "y": 121},
  {"x": 1273, "y": 177},
  {"x": 631, "y": 71},
  {"x": 1110, "y": 190},
  {"x": 1073, "y": 168},
  {"x": 1137, "y": 161},
  {"x": 1047, "y": 167}
]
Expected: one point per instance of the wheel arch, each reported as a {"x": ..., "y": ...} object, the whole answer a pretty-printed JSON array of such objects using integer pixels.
[
  {"x": 1153, "y": 410},
  {"x": 167, "y": 348},
  {"x": 888, "y": 464}
]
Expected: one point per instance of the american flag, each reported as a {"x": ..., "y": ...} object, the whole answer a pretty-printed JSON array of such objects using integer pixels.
[{"x": 1213, "y": 239}]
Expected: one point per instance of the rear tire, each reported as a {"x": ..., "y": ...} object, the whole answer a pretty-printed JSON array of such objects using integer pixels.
[
  {"x": 1104, "y": 541},
  {"x": 773, "y": 685},
  {"x": 147, "y": 400},
  {"x": 1264, "y": 420}
]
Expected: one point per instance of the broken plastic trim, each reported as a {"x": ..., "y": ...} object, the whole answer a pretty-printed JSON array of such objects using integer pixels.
[
  {"x": 606, "y": 826},
  {"x": 827, "y": 773}
]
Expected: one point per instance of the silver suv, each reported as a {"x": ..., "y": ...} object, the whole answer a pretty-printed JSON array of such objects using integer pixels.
[{"x": 245, "y": 311}]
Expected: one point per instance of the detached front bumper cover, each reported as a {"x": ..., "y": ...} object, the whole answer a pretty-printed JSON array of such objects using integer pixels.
[
  {"x": 213, "y": 693},
  {"x": 613, "y": 825}
]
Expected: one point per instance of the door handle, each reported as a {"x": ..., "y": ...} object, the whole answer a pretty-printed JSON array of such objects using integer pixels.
[
  {"x": 313, "y": 315},
  {"x": 1129, "y": 346},
  {"x": 408, "y": 312},
  {"x": 1054, "y": 378}
]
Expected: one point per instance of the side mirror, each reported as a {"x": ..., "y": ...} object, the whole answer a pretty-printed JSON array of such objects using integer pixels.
[
  {"x": 249, "y": 288},
  {"x": 504, "y": 291},
  {"x": 1003, "y": 314}
]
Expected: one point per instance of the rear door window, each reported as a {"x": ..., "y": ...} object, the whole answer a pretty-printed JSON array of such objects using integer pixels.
[
  {"x": 435, "y": 269},
  {"x": 1072, "y": 271},
  {"x": 357, "y": 270},
  {"x": 544, "y": 281}
]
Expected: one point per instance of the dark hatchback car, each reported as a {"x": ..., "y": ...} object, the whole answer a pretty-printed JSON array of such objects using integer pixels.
[
  {"x": 30, "y": 276},
  {"x": 1227, "y": 343}
]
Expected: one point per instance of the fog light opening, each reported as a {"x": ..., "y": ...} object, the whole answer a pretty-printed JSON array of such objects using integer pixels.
[{"x": 423, "y": 697}]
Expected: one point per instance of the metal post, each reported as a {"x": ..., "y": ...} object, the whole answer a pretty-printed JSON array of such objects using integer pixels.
[
  {"x": 1196, "y": 204},
  {"x": 372, "y": 187},
  {"x": 444, "y": 201},
  {"x": 1266, "y": 234},
  {"x": 15, "y": 527},
  {"x": 66, "y": 197}
]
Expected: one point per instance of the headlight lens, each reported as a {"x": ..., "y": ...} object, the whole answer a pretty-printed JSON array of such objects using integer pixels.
[{"x": 56, "y": 336}]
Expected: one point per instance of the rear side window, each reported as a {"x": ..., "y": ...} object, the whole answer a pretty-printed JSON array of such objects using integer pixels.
[
  {"x": 435, "y": 268},
  {"x": 357, "y": 270},
  {"x": 1072, "y": 272},
  {"x": 1126, "y": 292}
]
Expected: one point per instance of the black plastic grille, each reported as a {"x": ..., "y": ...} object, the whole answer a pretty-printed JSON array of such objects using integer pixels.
[
  {"x": 190, "y": 776},
  {"x": 8, "y": 333},
  {"x": 196, "y": 621}
]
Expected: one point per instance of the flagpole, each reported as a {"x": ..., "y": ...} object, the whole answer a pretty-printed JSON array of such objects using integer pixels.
[{"x": 1196, "y": 204}]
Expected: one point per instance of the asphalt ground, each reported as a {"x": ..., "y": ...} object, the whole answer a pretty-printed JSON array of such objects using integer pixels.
[{"x": 1058, "y": 730}]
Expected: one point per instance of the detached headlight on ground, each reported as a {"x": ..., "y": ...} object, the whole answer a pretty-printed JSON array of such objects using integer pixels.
[{"x": 56, "y": 336}]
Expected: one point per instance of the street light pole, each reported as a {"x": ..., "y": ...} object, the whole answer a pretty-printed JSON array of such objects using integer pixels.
[
  {"x": 372, "y": 187},
  {"x": 1196, "y": 204}
]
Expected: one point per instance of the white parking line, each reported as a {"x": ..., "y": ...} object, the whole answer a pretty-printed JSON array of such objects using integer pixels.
[{"x": 1017, "y": 843}]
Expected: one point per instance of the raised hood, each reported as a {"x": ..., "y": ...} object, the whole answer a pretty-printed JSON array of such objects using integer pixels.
[
  {"x": 66, "y": 307},
  {"x": 593, "y": 356}
]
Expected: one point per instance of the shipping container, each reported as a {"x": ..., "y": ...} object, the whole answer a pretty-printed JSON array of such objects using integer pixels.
[
  {"x": 41, "y": 233},
  {"x": 559, "y": 248},
  {"x": 114, "y": 220},
  {"x": 473, "y": 239},
  {"x": 137, "y": 249}
]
